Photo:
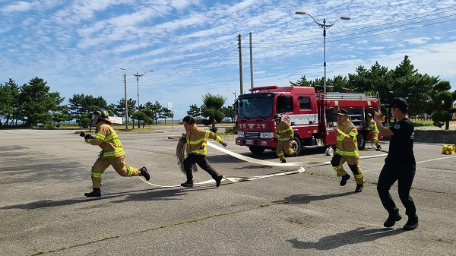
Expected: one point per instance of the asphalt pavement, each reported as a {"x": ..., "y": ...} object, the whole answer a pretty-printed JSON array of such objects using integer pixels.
[{"x": 44, "y": 174}]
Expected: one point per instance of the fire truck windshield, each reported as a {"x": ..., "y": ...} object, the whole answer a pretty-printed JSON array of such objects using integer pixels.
[{"x": 255, "y": 107}]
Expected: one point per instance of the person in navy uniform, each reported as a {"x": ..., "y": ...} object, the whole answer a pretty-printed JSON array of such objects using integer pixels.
[{"x": 400, "y": 164}]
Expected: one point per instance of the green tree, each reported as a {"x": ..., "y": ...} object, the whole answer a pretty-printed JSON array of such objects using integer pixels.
[
  {"x": 140, "y": 116},
  {"x": 9, "y": 103},
  {"x": 441, "y": 105},
  {"x": 414, "y": 87},
  {"x": 81, "y": 107},
  {"x": 301, "y": 82},
  {"x": 229, "y": 112},
  {"x": 36, "y": 102},
  {"x": 194, "y": 111},
  {"x": 119, "y": 108},
  {"x": 156, "y": 110},
  {"x": 212, "y": 109}
]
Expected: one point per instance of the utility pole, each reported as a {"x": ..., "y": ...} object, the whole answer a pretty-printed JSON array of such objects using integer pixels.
[
  {"x": 137, "y": 75},
  {"x": 126, "y": 102},
  {"x": 240, "y": 67},
  {"x": 251, "y": 61}
]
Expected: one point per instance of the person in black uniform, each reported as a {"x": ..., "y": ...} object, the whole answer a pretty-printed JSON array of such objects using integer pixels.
[{"x": 399, "y": 165}]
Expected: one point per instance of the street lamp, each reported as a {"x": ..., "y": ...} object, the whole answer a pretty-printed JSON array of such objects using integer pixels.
[
  {"x": 324, "y": 26},
  {"x": 235, "y": 97},
  {"x": 137, "y": 85}
]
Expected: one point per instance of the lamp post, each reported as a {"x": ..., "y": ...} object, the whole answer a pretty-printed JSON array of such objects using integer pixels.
[
  {"x": 324, "y": 26},
  {"x": 235, "y": 97},
  {"x": 137, "y": 85}
]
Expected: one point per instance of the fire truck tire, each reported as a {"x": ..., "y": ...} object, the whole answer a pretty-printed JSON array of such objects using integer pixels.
[
  {"x": 256, "y": 150},
  {"x": 296, "y": 146},
  {"x": 329, "y": 151},
  {"x": 361, "y": 138}
]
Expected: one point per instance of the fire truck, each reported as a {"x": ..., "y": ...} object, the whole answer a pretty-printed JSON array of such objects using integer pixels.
[{"x": 311, "y": 114}]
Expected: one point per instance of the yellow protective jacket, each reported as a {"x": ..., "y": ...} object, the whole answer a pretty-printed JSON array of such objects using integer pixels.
[
  {"x": 346, "y": 140},
  {"x": 107, "y": 139},
  {"x": 372, "y": 126},
  {"x": 197, "y": 140},
  {"x": 284, "y": 132}
]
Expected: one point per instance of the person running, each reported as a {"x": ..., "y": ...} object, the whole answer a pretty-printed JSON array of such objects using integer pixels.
[
  {"x": 197, "y": 150},
  {"x": 347, "y": 151},
  {"x": 372, "y": 128},
  {"x": 112, "y": 152},
  {"x": 284, "y": 138}
]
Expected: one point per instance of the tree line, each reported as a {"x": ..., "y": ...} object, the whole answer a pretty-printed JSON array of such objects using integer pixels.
[
  {"x": 425, "y": 94},
  {"x": 33, "y": 103}
]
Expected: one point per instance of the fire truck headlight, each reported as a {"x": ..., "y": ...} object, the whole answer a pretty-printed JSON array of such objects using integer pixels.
[
  {"x": 240, "y": 134},
  {"x": 266, "y": 135}
]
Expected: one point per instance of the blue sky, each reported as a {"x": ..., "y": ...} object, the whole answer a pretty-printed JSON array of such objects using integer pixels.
[{"x": 80, "y": 46}]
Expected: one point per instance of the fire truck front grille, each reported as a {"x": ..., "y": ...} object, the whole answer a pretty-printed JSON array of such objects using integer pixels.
[{"x": 252, "y": 135}]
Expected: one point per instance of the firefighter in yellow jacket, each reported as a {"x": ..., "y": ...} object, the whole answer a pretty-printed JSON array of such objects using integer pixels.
[
  {"x": 196, "y": 151},
  {"x": 112, "y": 152},
  {"x": 284, "y": 137},
  {"x": 347, "y": 151},
  {"x": 372, "y": 128}
]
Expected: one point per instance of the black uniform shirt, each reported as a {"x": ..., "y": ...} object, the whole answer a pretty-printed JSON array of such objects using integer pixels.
[{"x": 401, "y": 144}]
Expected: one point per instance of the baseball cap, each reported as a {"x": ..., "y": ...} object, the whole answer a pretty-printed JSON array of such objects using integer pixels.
[
  {"x": 400, "y": 103},
  {"x": 342, "y": 112}
]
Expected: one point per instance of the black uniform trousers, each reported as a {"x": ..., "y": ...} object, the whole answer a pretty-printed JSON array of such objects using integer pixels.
[
  {"x": 202, "y": 162},
  {"x": 403, "y": 174}
]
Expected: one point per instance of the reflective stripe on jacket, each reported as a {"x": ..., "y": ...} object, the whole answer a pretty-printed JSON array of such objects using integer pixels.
[
  {"x": 197, "y": 140},
  {"x": 284, "y": 132},
  {"x": 372, "y": 127},
  {"x": 107, "y": 139},
  {"x": 347, "y": 144}
]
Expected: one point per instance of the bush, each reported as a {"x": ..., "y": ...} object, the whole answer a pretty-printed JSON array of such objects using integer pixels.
[{"x": 231, "y": 130}]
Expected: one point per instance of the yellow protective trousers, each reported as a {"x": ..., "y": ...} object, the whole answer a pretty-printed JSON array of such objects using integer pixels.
[
  {"x": 353, "y": 163},
  {"x": 284, "y": 146},
  {"x": 118, "y": 163},
  {"x": 374, "y": 138}
]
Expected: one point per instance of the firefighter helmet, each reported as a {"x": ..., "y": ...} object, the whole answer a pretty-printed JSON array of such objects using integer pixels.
[
  {"x": 277, "y": 117},
  {"x": 101, "y": 113},
  {"x": 369, "y": 115}
]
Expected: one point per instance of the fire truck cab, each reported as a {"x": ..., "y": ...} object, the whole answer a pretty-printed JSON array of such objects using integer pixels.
[{"x": 312, "y": 116}]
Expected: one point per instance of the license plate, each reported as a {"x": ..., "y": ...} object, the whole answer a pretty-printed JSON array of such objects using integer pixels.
[{"x": 249, "y": 142}]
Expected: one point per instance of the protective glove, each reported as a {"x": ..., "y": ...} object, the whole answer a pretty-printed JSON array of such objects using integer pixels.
[
  {"x": 225, "y": 144},
  {"x": 275, "y": 139},
  {"x": 291, "y": 139},
  {"x": 88, "y": 136}
]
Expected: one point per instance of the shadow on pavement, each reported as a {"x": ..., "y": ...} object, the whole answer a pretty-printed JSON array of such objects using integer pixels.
[
  {"x": 305, "y": 199},
  {"x": 356, "y": 236},
  {"x": 144, "y": 195}
]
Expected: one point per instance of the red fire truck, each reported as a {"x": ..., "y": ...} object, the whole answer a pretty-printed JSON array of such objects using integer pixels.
[{"x": 311, "y": 114}]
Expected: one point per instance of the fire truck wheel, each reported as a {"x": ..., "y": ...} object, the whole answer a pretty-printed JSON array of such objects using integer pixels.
[
  {"x": 361, "y": 138},
  {"x": 256, "y": 150},
  {"x": 329, "y": 151},
  {"x": 296, "y": 146}
]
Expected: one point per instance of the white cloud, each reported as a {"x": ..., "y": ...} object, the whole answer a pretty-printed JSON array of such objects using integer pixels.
[
  {"x": 418, "y": 40},
  {"x": 19, "y": 6}
]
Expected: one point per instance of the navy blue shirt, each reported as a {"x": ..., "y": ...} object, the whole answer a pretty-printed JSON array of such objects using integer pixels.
[{"x": 401, "y": 143}]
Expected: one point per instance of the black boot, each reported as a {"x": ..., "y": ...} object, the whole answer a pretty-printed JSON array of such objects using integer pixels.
[
  {"x": 284, "y": 161},
  {"x": 145, "y": 173},
  {"x": 412, "y": 223},
  {"x": 95, "y": 193},
  {"x": 187, "y": 184},
  {"x": 218, "y": 179},
  {"x": 392, "y": 218},
  {"x": 344, "y": 179},
  {"x": 359, "y": 188}
]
